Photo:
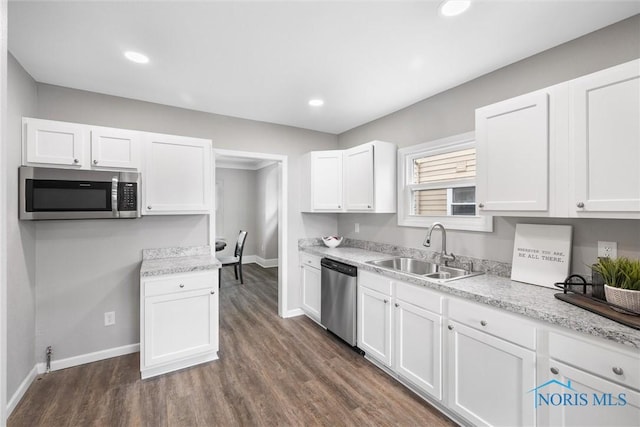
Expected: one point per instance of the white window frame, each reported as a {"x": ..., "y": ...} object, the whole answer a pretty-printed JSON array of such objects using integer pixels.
[{"x": 406, "y": 157}]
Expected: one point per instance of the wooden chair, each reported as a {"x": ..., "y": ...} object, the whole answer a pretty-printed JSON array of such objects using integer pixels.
[{"x": 235, "y": 260}]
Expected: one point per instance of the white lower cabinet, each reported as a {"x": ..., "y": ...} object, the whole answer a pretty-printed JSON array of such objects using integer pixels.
[
  {"x": 178, "y": 321},
  {"x": 488, "y": 378},
  {"x": 374, "y": 324},
  {"x": 418, "y": 347},
  {"x": 586, "y": 400},
  {"x": 586, "y": 383},
  {"x": 485, "y": 366},
  {"x": 310, "y": 280}
]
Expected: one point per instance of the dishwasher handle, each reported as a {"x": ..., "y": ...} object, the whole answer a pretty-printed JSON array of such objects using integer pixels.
[{"x": 343, "y": 268}]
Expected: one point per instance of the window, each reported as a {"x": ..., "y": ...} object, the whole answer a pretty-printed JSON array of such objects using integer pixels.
[{"x": 437, "y": 183}]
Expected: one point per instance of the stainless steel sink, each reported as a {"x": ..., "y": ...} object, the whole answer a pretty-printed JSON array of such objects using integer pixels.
[
  {"x": 424, "y": 269},
  {"x": 407, "y": 265}
]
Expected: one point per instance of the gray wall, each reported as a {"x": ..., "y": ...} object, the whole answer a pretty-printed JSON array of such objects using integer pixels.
[
  {"x": 239, "y": 208},
  {"x": 267, "y": 189},
  {"x": 21, "y": 235},
  {"x": 452, "y": 112},
  {"x": 87, "y": 267}
]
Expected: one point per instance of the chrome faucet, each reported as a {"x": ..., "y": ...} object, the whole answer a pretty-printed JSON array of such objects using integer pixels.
[{"x": 444, "y": 256}]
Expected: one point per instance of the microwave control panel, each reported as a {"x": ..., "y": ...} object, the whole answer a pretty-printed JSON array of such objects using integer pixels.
[{"x": 127, "y": 196}]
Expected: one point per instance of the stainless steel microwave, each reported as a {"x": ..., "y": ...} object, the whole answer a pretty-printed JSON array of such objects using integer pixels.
[{"x": 47, "y": 193}]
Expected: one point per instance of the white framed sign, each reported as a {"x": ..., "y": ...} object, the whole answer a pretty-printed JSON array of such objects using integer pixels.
[{"x": 541, "y": 254}]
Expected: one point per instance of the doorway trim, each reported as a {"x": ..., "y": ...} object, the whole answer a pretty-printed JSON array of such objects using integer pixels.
[{"x": 283, "y": 226}]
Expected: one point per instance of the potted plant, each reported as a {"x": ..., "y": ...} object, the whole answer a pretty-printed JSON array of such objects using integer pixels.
[{"x": 622, "y": 281}]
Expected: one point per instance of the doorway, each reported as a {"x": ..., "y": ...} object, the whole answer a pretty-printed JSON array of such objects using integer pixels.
[{"x": 270, "y": 173}]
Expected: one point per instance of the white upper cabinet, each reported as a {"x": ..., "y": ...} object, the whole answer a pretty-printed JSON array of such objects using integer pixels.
[
  {"x": 324, "y": 179},
  {"x": 570, "y": 150},
  {"x": 51, "y": 143},
  {"x": 605, "y": 142},
  {"x": 176, "y": 175},
  {"x": 360, "y": 179},
  {"x": 115, "y": 148},
  {"x": 513, "y": 154}
]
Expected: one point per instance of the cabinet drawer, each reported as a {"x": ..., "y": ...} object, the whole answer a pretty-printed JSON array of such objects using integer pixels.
[
  {"x": 601, "y": 360},
  {"x": 419, "y": 296},
  {"x": 179, "y": 283},
  {"x": 310, "y": 260},
  {"x": 374, "y": 281},
  {"x": 494, "y": 322}
]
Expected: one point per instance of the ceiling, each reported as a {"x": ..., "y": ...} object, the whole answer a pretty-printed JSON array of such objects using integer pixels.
[{"x": 264, "y": 60}]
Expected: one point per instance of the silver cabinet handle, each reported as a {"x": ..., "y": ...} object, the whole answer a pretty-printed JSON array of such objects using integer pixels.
[
  {"x": 339, "y": 207},
  {"x": 450, "y": 327},
  {"x": 213, "y": 292},
  {"x": 76, "y": 161},
  {"x": 369, "y": 206},
  {"x": 617, "y": 371},
  {"x": 385, "y": 301},
  {"x": 580, "y": 204},
  {"x": 554, "y": 371},
  {"x": 181, "y": 285},
  {"x": 95, "y": 162},
  {"x": 481, "y": 205},
  {"x": 149, "y": 207},
  {"x": 483, "y": 322},
  {"x": 397, "y": 305}
]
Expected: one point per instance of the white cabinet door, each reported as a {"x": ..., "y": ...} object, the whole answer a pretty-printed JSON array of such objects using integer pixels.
[
  {"x": 180, "y": 325},
  {"x": 115, "y": 148},
  {"x": 418, "y": 347},
  {"x": 176, "y": 175},
  {"x": 513, "y": 154},
  {"x": 605, "y": 141},
  {"x": 326, "y": 180},
  {"x": 488, "y": 378},
  {"x": 595, "y": 401},
  {"x": 53, "y": 143},
  {"x": 358, "y": 178},
  {"x": 311, "y": 292},
  {"x": 374, "y": 324}
]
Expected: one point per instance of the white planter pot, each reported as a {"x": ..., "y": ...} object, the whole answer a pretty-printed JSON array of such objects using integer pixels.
[{"x": 623, "y": 297}]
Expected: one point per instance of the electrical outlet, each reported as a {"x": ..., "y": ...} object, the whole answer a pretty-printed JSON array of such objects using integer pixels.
[
  {"x": 357, "y": 227},
  {"x": 109, "y": 318},
  {"x": 607, "y": 249}
]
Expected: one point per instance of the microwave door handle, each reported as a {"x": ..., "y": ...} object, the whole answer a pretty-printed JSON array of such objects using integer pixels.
[{"x": 114, "y": 196}]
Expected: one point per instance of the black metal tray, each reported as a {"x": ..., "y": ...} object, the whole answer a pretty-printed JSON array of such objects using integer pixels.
[{"x": 578, "y": 294}]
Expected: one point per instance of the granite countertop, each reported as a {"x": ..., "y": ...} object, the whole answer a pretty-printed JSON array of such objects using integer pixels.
[
  {"x": 536, "y": 302},
  {"x": 157, "y": 262}
]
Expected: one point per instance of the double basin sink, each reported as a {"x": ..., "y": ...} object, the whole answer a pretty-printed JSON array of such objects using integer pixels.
[{"x": 424, "y": 269}]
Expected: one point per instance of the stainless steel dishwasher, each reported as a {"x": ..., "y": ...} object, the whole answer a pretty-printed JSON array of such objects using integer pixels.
[{"x": 338, "y": 299}]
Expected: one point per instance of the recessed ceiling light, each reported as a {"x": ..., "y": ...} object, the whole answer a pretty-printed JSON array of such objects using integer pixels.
[
  {"x": 454, "y": 7},
  {"x": 136, "y": 57},
  {"x": 316, "y": 102}
]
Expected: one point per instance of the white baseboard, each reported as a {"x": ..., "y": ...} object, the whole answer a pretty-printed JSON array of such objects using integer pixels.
[
  {"x": 255, "y": 259},
  {"x": 89, "y": 357},
  {"x": 266, "y": 263},
  {"x": 294, "y": 313},
  {"x": 22, "y": 389}
]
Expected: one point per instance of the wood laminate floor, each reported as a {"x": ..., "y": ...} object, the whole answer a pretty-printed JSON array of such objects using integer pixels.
[{"x": 271, "y": 372}]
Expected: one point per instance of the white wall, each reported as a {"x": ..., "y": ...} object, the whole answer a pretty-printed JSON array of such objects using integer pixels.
[
  {"x": 87, "y": 267},
  {"x": 267, "y": 189},
  {"x": 452, "y": 112},
  {"x": 21, "y": 235},
  {"x": 239, "y": 207}
]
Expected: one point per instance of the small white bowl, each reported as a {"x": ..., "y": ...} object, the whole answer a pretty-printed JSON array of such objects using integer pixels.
[{"x": 332, "y": 241}]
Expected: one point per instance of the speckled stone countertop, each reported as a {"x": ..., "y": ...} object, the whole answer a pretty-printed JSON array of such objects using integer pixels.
[
  {"x": 536, "y": 302},
  {"x": 157, "y": 262}
]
